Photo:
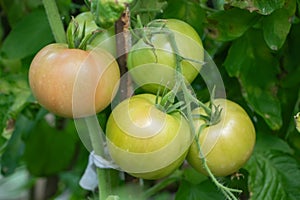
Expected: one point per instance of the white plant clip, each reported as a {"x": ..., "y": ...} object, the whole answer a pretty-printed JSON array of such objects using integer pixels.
[{"x": 89, "y": 179}]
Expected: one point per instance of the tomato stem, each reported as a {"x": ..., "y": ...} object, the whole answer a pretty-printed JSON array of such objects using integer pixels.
[
  {"x": 55, "y": 21},
  {"x": 180, "y": 81},
  {"x": 161, "y": 185},
  {"x": 97, "y": 141},
  {"x": 123, "y": 45}
]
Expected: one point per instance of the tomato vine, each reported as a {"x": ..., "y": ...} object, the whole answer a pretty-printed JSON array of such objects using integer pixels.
[{"x": 212, "y": 115}]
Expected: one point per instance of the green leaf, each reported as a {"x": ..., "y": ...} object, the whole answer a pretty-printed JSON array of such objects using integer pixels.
[
  {"x": 230, "y": 24},
  {"x": 50, "y": 149},
  {"x": 28, "y": 36},
  {"x": 13, "y": 152},
  {"x": 72, "y": 176},
  {"x": 206, "y": 190},
  {"x": 264, "y": 140},
  {"x": 163, "y": 196},
  {"x": 273, "y": 172},
  {"x": 276, "y": 26},
  {"x": 6, "y": 101},
  {"x": 192, "y": 176},
  {"x": 291, "y": 59},
  {"x": 264, "y": 7},
  {"x": 14, "y": 96},
  {"x": 188, "y": 11},
  {"x": 15, "y": 10},
  {"x": 291, "y": 6},
  {"x": 274, "y": 175},
  {"x": 10, "y": 159},
  {"x": 250, "y": 60}
]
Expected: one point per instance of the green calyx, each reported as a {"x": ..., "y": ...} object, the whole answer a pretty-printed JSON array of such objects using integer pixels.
[
  {"x": 210, "y": 118},
  {"x": 167, "y": 102},
  {"x": 76, "y": 38}
]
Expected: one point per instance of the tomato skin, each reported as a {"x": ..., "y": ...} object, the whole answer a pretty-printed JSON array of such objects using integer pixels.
[
  {"x": 73, "y": 82},
  {"x": 227, "y": 145},
  {"x": 152, "y": 69},
  {"x": 104, "y": 39},
  {"x": 144, "y": 141}
]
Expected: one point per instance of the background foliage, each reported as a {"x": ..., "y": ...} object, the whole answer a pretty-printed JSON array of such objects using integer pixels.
[{"x": 255, "y": 45}]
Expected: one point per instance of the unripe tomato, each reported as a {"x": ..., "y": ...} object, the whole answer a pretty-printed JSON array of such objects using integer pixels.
[
  {"x": 73, "y": 82},
  {"x": 144, "y": 141},
  {"x": 104, "y": 39},
  {"x": 152, "y": 64},
  {"x": 226, "y": 145}
]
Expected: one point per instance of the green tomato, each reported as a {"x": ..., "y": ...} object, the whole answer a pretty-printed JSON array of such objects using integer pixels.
[
  {"x": 144, "y": 141},
  {"x": 226, "y": 145},
  {"x": 104, "y": 39},
  {"x": 152, "y": 64}
]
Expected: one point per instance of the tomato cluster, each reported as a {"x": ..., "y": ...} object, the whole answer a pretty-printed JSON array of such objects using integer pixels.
[{"x": 143, "y": 137}]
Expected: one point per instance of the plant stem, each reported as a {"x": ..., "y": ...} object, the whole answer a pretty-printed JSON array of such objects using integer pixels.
[
  {"x": 97, "y": 140},
  {"x": 123, "y": 38},
  {"x": 96, "y": 134},
  {"x": 180, "y": 81},
  {"x": 55, "y": 21},
  {"x": 159, "y": 186}
]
